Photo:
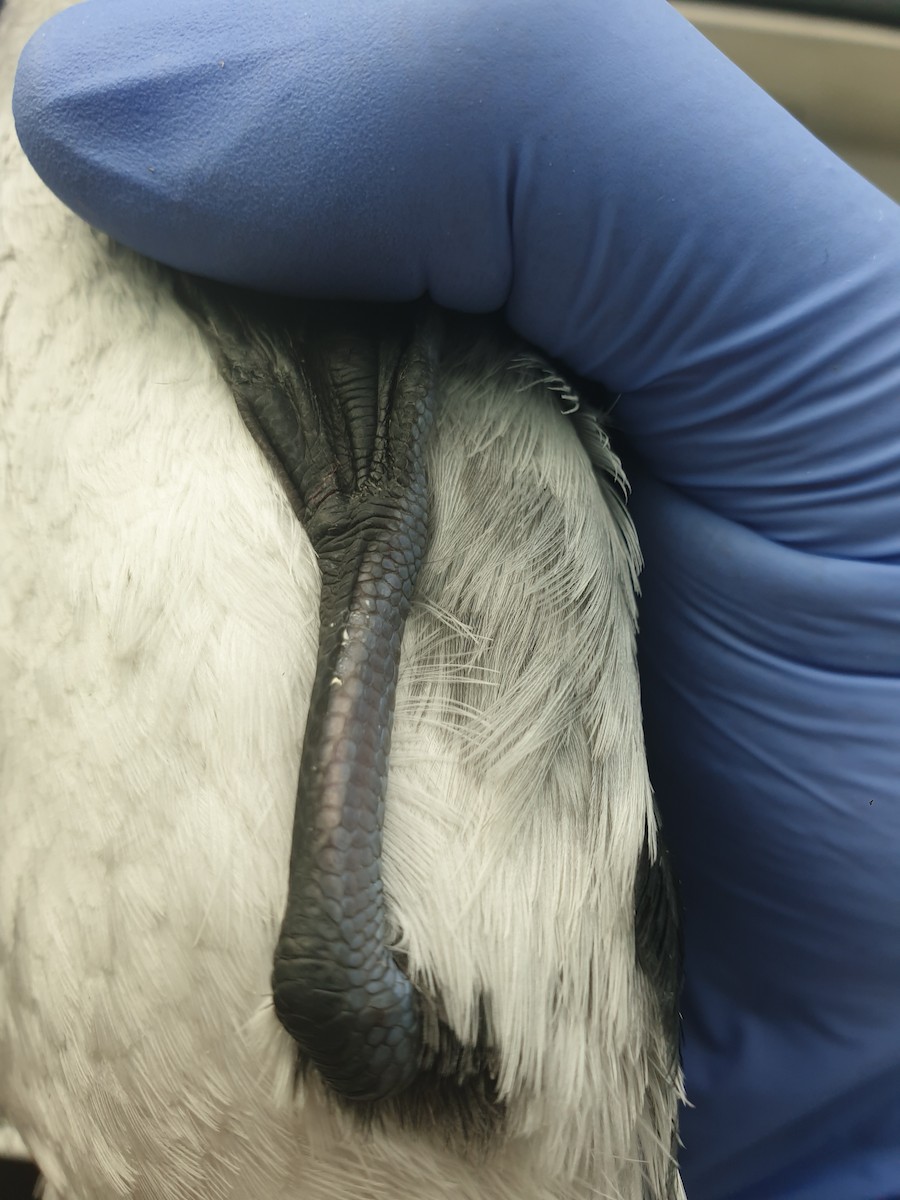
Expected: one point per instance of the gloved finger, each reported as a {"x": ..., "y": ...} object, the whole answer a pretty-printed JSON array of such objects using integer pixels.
[
  {"x": 640, "y": 208},
  {"x": 770, "y": 682}
]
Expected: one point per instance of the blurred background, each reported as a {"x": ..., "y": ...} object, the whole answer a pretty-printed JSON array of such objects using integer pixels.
[{"x": 834, "y": 64}]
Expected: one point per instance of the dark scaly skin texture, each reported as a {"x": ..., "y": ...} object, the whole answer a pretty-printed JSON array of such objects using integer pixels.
[{"x": 340, "y": 398}]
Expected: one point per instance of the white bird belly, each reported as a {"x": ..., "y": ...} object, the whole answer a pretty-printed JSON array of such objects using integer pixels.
[{"x": 158, "y": 628}]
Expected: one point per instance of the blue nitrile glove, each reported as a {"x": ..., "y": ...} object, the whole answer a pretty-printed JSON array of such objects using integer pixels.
[{"x": 642, "y": 211}]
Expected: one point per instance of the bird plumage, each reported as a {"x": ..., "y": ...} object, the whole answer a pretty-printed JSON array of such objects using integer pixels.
[{"x": 157, "y": 644}]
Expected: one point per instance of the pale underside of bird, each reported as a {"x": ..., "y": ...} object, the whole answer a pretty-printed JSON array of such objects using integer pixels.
[{"x": 159, "y": 625}]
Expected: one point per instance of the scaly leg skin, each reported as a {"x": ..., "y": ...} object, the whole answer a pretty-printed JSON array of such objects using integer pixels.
[{"x": 341, "y": 403}]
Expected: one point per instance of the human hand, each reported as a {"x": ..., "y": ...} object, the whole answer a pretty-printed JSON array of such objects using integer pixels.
[{"x": 642, "y": 211}]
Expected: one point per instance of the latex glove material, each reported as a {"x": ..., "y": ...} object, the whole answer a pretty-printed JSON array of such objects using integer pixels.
[
  {"x": 645, "y": 213},
  {"x": 771, "y": 716}
]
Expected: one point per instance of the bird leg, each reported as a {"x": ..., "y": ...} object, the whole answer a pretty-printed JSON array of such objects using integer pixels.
[{"x": 340, "y": 398}]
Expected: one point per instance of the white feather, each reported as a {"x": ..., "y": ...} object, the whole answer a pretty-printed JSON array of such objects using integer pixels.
[{"x": 158, "y": 625}]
